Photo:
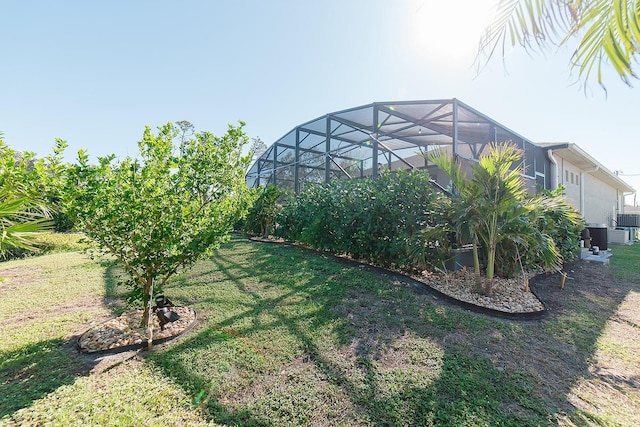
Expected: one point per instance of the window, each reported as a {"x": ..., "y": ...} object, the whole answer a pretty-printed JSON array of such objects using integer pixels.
[
  {"x": 566, "y": 176},
  {"x": 572, "y": 177}
]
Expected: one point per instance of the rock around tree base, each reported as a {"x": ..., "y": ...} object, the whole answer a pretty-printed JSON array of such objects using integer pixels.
[{"x": 124, "y": 331}]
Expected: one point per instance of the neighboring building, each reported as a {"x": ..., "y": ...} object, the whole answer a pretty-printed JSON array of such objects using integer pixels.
[{"x": 361, "y": 141}]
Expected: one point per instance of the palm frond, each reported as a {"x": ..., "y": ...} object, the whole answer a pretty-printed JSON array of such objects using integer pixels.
[
  {"x": 610, "y": 35},
  {"x": 532, "y": 24},
  {"x": 19, "y": 220},
  {"x": 608, "y": 32}
]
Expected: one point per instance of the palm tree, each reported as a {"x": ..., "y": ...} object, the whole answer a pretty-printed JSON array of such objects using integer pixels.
[
  {"x": 609, "y": 32},
  {"x": 464, "y": 207},
  {"x": 20, "y": 218},
  {"x": 491, "y": 208}
]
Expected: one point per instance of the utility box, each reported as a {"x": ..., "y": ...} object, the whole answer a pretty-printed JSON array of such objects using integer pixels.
[{"x": 619, "y": 236}]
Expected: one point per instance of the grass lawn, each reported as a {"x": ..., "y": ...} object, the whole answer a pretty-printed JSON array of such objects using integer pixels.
[{"x": 291, "y": 337}]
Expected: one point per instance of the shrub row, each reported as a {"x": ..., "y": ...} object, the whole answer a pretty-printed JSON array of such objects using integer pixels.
[
  {"x": 383, "y": 220},
  {"x": 369, "y": 219}
]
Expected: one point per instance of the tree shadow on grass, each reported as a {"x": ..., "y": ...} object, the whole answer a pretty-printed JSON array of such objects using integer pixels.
[
  {"x": 337, "y": 344},
  {"x": 32, "y": 371},
  {"x": 115, "y": 289},
  {"x": 35, "y": 370}
]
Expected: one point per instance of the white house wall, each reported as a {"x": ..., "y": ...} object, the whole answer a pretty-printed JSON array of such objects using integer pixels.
[
  {"x": 569, "y": 178},
  {"x": 600, "y": 199}
]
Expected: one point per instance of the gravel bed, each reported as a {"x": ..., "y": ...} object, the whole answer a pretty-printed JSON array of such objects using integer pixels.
[
  {"x": 125, "y": 330},
  {"x": 509, "y": 295}
]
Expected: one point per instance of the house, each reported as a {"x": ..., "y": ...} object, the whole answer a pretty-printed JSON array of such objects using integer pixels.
[{"x": 596, "y": 192}]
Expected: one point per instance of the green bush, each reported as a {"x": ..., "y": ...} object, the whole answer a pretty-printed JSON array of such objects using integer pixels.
[
  {"x": 372, "y": 219},
  {"x": 564, "y": 225},
  {"x": 261, "y": 218},
  {"x": 431, "y": 246},
  {"x": 45, "y": 181},
  {"x": 557, "y": 221}
]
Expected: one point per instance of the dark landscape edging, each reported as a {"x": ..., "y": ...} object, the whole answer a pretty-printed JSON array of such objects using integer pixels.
[
  {"x": 140, "y": 346},
  {"x": 521, "y": 316},
  {"x": 529, "y": 315}
]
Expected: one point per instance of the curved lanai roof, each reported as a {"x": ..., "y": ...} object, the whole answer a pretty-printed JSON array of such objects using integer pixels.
[{"x": 361, "y": 141}]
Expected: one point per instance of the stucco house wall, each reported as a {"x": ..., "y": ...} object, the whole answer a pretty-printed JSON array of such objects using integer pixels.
[
  {"x": 596, "y": 200},
  {"x": 589, "y": 186},
  {"x": 569, "y": 178},
  {"x": 601, "y": 202}
]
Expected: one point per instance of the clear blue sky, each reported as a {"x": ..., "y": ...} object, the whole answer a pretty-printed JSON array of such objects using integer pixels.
[{"x": 95, "y": 73}]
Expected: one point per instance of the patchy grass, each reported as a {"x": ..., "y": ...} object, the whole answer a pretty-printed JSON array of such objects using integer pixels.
[
  {"x": 132, "y": 394},
  {"x": 625, "y": 264},
  {"x": 291, "y": 337},
  {"x": 49, "y": 242},
  {"x": 59, "y": 242}
]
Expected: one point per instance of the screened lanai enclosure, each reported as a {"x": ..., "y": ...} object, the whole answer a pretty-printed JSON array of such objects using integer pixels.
[{"x": 362, "y": 141}]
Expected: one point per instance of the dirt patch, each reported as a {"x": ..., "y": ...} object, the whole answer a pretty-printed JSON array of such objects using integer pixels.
[
  {"x": 12, "y": 278},
  {"x": 84, "y": 304}
]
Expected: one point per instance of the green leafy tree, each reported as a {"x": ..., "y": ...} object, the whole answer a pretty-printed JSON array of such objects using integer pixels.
[
  {"x": 23, "y": 175},
  {"x": 261, "y": 217},
  {"x": 164, "y": 211},
  {"x": 608, "y": 32}
]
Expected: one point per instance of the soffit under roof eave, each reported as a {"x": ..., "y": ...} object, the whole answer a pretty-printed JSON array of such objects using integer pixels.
[{"x": 578, "y": 157}]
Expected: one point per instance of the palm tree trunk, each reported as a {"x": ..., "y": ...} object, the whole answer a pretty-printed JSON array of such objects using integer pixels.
[
  {"x": 491, "y": 258},
  {"x": 476, "y": 259}
]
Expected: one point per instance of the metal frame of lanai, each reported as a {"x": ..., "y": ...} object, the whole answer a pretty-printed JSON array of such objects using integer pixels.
[{"x": 361, "y": 141}]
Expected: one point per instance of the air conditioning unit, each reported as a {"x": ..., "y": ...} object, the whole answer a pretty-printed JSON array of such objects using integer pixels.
[{"x": 628, "y": 220}]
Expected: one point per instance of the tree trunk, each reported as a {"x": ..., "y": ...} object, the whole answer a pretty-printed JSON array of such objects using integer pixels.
[
  {"x": 476, "y": 269},
  {"x": 146, "y": 301},
  {"x": 476, "y": 259},
  {"x": 491, "y": 259},
  {"x": 146, "y": 315}
]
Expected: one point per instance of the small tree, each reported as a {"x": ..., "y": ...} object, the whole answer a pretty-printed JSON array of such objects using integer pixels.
[
  {"x": 492, "y": 209},
  {"x": 162, "y": 212},
  {"x": 261, "y": 218},
  {"x": 463, "y": 209},
  {"x": 257, "y": 148}
]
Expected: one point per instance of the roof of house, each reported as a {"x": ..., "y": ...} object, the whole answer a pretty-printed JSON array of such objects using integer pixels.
[{"x": 581, "y": 159}]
